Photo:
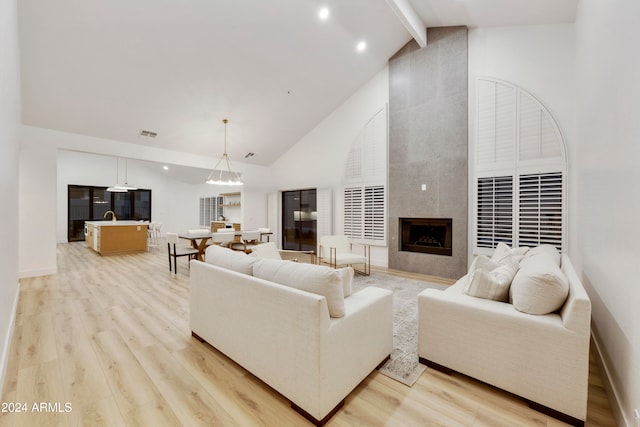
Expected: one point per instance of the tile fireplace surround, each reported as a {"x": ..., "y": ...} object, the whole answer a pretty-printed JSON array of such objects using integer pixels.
[{"x": 428, "y": 111}]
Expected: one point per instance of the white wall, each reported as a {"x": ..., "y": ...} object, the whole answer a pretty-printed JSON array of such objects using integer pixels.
[
  {"x": 10, "y": 108},
  {"x": 608, "y": 186},
  {"x": 318, "y": 159},
  {"x": 50, "y": 160}
]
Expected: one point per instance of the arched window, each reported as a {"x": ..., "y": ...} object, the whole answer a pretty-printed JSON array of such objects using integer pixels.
[
  {"x": 520, "y": 170},
  {"x": 365, "y": 184}
]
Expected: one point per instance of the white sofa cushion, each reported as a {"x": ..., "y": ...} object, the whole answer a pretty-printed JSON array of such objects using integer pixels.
[
  {"x": 504, "y": 251},
  {"x": 491, "y": 280},
  {"x": 539, "y": 287},
  {"x": 312, "y": 278},
  {"x": 230, "y": 259}
]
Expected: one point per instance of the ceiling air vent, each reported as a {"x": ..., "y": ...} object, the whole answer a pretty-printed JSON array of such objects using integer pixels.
[{"x": 148, "y": 133}]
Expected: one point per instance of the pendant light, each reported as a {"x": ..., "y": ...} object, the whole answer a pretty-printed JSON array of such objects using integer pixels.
[
  {"x": 115, "y": 188},
  {"x": 125, "y": 186},
  {"x": 224, "y": 176}
]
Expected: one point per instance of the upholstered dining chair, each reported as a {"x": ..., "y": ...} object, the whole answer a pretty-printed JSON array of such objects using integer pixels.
[
  {"x": 248, "y": 240},
  {"x": 176, "y": 251},
  {"x": 337, "y": 251},
  {"x": 223, "y": 238}
]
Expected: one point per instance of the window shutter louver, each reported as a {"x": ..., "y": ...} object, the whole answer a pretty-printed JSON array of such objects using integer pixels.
[
  {"x": 541, "y": 207},
  {"x": 353, "y": 212},
  {"x": 494, "y": 211},
  {"x": 374, "y": 213}
]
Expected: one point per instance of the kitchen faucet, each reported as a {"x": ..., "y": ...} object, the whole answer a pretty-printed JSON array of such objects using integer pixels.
[{"x": 113, "y": 215}]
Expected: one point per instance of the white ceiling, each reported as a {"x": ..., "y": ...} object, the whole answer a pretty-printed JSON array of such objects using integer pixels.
[{"x": 112, "y": 68}]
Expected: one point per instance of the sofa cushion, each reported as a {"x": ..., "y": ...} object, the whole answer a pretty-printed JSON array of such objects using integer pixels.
[
  {"x": 229, "y": 259},
  {"x": 312, "y": 278},
  {"x": 539, "y": 287},
  {"x": 346, "y": 277},
  {"x": 504, "y": 251},
  {"x": 490, "y": 280}
]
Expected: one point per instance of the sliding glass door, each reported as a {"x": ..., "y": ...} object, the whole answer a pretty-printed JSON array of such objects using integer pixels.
[{"x": 299, "y": 220}]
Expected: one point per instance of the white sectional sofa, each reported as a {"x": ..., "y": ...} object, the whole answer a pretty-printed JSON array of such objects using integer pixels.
[
  {"x": 285, "y": 335},
  {"x": 543, "y": 358}
]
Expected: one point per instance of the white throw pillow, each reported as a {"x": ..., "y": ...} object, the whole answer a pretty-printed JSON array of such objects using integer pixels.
[
  {"x": 490, "y": 280},
  {"x": 312, "y": 278},
  {"x": 229, "y": 259},
  {"x": 539, "y": 287},
  {"x": 543, "y": 250},
  {"x": 346, "y": 276},
  {"x": 504, "y": 251}
]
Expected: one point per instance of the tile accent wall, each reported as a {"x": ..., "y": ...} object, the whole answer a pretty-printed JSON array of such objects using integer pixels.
[{"x": 428, "y": 145}]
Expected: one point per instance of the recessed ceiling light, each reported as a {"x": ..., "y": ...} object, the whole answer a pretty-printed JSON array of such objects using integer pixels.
[
  {"x": 165, "y": 167},
  {"x": 361, "y": 46},
  {"x": 324, "y": 13}
]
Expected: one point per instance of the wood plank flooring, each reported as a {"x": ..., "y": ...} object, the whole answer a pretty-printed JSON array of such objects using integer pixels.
[{"x": 109, "y": 336}]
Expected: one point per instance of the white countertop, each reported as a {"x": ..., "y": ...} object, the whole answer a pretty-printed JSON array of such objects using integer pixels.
[{"x": 110, "y": 223}]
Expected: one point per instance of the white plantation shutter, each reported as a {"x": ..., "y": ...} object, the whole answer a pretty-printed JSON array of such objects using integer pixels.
[
  {"x": 353, "y": 212},
  {"x": 353, "y": 168},
  {"x": 496, "y": 124},
  {"x": 374, "y": 213},
  {"x": 541, "y": 210},
  {"x": 365, "y": 183},
  {"x": 530, "y": 211},
  {"x": 494, "y": 211},
  {"x": 538, "y": 138},
  {"x": 210, "y": 210}
]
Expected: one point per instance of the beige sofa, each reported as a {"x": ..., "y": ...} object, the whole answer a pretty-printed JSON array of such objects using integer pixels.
[
  {"x": 542, "y": 358},
  {"x": 284, "y": 335}
]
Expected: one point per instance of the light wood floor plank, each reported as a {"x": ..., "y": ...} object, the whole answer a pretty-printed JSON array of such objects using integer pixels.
[
  {"x": 192, "y": 404},
  {"x": 111, "y": 336}
]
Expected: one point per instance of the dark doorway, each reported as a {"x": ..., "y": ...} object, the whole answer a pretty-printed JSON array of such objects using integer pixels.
[{"x": 299, "y": 220}]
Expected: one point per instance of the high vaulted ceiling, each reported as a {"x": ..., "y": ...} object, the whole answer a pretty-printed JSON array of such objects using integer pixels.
[{"x": 110, "y": 69}]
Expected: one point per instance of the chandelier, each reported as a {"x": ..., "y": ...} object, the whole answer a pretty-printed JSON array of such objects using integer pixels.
[{"x": 222, "y": 176}]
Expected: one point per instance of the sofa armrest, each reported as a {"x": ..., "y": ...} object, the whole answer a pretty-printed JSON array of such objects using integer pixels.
[
  {"x": 576, "y": 312},
  {"x": 356, "y": 343}
]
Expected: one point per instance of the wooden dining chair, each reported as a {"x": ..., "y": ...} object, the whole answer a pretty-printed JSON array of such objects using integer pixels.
[{"x": 176, "y": 251}]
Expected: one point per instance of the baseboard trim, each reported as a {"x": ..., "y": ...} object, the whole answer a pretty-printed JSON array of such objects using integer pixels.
[
  {"x": 609, "y": 386},
  {"x": 37, "y": 273},
  {"x": 7, "y": 343}
]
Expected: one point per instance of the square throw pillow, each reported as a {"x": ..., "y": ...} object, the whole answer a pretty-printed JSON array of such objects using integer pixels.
[
  {"x": 504, "y": 251},
  {"x": 316, "y": 279},
  {"x": 539, "y": 287},
  {"x": 229, "y": 259},
  {"x": 490, "y": 280}
]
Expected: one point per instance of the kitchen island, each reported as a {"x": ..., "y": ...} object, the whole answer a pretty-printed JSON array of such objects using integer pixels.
[{"x": 116, "y": 237}]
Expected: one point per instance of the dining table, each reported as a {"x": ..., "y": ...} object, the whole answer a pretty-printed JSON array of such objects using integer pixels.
[{"x": 198, "y": 241}]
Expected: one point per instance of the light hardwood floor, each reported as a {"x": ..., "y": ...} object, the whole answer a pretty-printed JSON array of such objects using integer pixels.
[{"x": 110, "y": 336}]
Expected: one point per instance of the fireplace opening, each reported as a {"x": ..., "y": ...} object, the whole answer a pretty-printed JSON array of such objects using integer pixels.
[{"x": 426, "y": 235}]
